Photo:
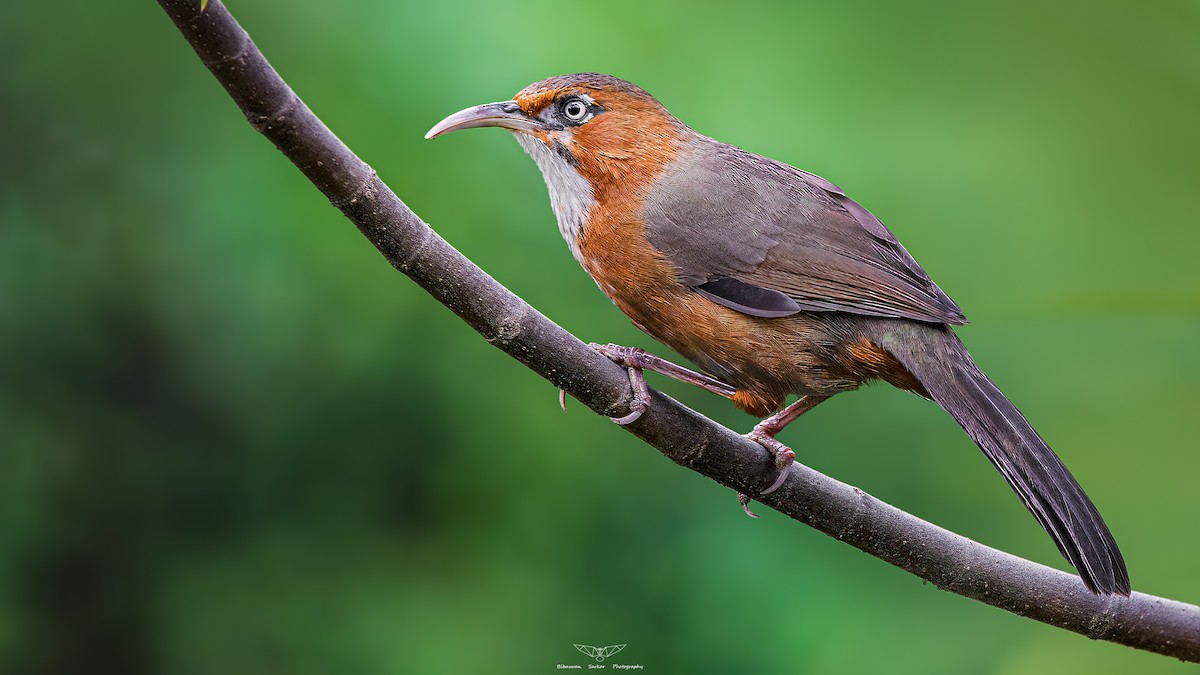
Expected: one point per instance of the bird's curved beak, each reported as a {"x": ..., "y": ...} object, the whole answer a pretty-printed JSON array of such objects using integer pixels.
[{"x": 506, "y": 114}]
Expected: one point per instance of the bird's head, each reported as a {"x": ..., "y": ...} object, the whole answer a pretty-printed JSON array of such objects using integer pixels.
[{"x": 590, "y": 127}]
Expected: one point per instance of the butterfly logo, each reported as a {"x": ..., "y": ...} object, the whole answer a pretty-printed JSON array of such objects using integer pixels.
[{"x": 600, "y": 653}]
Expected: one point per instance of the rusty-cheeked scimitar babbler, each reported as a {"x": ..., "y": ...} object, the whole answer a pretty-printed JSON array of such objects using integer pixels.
[{"x": 772, "y": 281}]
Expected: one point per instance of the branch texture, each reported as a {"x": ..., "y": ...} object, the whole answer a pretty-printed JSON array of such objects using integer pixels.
[{"x": 950, "y": 562}]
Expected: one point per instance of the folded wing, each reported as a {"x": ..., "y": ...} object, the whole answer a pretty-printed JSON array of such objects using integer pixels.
[{"x": 720, "y": 213}]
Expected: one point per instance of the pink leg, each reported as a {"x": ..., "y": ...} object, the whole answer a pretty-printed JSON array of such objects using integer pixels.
[
  {"x": 766, "y": 430},
  {"x": 633, "y": 357},
  {"x": 636, "y": 360}
]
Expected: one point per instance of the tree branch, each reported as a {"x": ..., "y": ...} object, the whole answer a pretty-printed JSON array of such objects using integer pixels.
[{"x": 936, "y": 555}]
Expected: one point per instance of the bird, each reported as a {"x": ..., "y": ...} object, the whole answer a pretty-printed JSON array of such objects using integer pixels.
[{"x": 773, "y": 282}]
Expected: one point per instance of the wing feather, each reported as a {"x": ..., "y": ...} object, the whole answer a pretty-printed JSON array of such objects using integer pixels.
[{"x": 719, "y": 212}]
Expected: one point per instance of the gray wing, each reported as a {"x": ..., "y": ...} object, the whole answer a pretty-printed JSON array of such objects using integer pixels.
[{"x": 768, "y": 239}]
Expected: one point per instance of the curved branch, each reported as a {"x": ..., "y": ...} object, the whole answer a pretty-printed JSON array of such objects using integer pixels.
[{"x": 936, "y": 555}]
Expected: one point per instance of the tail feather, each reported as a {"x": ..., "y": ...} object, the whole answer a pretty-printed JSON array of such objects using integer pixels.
[{"x": 935, "y": 357}]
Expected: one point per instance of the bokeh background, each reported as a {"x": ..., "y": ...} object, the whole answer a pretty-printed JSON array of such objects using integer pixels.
[{"x": 234, "y": 440}]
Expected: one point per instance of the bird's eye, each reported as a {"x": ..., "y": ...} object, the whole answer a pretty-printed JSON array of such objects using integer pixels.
[{"x": 574, "y": 110}]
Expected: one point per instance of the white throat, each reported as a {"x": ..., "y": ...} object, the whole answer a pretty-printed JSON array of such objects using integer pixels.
[{"x": 571, "y": 195}]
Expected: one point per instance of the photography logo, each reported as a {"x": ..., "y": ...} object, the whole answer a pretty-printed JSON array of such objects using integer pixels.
[{"x": 599, "y": 653}]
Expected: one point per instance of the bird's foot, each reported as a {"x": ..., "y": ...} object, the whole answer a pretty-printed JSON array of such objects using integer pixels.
[
  {"x": 633, "y": 357},
  {"x": 636, "y": 360},
  {"x": 633, "y": 360},
  {"x": 784, "y": 457},
  {"x": 764, "y": 435}
]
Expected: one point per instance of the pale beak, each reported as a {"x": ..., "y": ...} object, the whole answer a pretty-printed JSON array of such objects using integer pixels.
[{"x": 506, "y": 114}]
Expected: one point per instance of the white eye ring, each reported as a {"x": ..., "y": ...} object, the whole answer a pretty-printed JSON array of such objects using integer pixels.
[{"x": 575, "y": 110}]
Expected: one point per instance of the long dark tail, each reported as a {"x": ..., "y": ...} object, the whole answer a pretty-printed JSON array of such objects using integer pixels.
[{"x": 936, "y": 358}]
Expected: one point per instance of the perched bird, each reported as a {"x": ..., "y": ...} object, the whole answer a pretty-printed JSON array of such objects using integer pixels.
[{"x": 772, "y": 281}]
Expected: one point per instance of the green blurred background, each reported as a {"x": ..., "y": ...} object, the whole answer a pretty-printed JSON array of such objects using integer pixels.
[{"x": 234, "y": 440}]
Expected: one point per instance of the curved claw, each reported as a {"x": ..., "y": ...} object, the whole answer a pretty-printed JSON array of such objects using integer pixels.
[
  {"x": 630, "y": 418},
  {"x": 629, "y": 358},
  {"x": 783, "y": 462},
  {"x": 641, "y": 398},
  {"x": 744, "y": 500},
  {"x": 783, "y": 457}
]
